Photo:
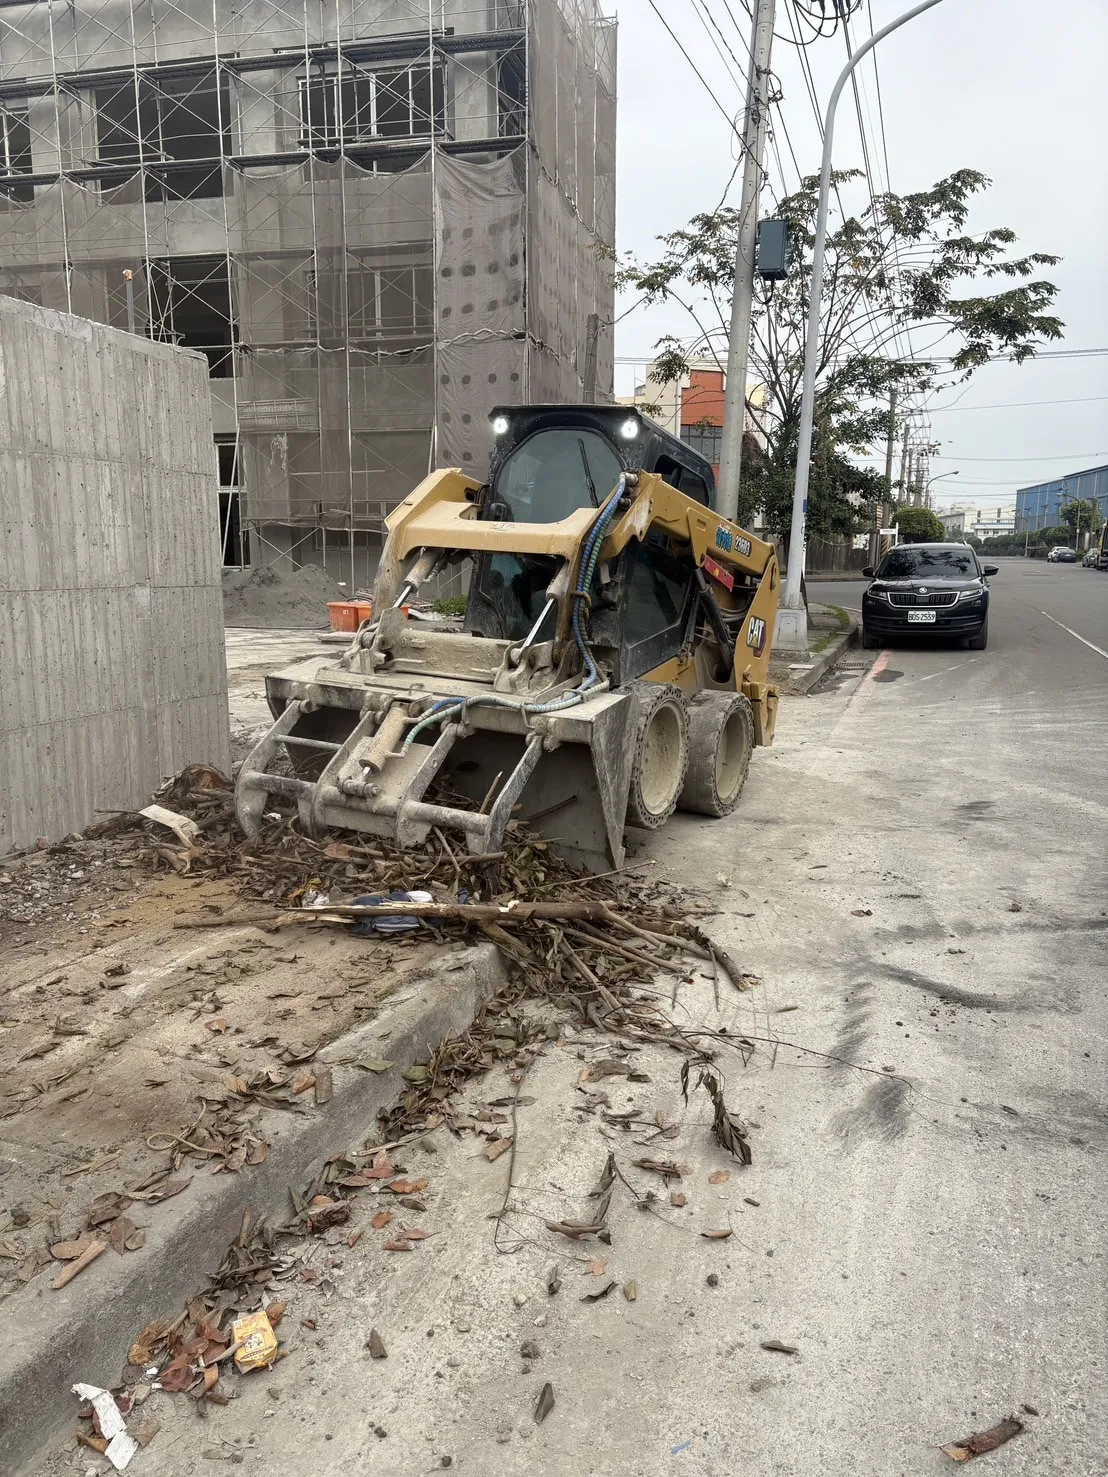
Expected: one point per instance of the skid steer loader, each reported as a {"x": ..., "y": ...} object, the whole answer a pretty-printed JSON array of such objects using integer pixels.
[{"x": 611, "y": 665}]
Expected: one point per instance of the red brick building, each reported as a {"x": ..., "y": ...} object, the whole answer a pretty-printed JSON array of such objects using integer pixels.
[{"x": 702, "y": 413}]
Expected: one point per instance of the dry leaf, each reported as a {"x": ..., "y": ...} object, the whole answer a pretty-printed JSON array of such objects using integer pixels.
[
  {"x": 258, "y": 1154},
  {"x": 575, "y": 1229},
  {"x": 407, "y": 1187},
  {"x": 146, "y": 1431},
  {"x": 775, "y": 1346},
  {"x": 399, "y": 1246},
  {"x": 382, "y": 1168},
  {"x": 497, "y": 1147},
  {"x": 94, "y": 1443},
  {"x": 324, "y": 1088},
  {"x": 716, "y": 1235},
  {"x": 631, "y": 1290},
  {"x": 720, "y": 1177},
  {"x": 276, "y": 1311},
  {"x": 66, "y": 1251},
  {"x": 596, "y": 1267},
  {"x": 545, "y": 1403},
  {"x": 381, "y": 1220},
  {"x": 665, "y": 1167},
  {"x": 594, "y": 1297},
  {"x": 677, "y": 1199},
  {"x": 982, "y": 1441},
  {"x": 302, "y": 1082},
  {"x": 376, "y": 1345},
  {"x": 216, "y": 1024}
]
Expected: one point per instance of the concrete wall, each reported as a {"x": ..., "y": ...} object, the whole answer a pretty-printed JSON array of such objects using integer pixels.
[{"x": 112, "y": 670}]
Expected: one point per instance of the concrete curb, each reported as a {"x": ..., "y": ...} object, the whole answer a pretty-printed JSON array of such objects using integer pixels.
[
  {"x": 798, "y": 682},
  {"x": 83, "y": 1331}
]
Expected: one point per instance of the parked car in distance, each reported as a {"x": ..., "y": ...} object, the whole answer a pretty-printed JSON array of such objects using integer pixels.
[
  {"x": 1062, "y": 554},
  {"x": 1092, "y": 557},
  {"x": 939, "y": 589}
]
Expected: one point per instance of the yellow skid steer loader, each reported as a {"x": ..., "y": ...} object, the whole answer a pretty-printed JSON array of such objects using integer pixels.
[{"x": 611, "y": 665}]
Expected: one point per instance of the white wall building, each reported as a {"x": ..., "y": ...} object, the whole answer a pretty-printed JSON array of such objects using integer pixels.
[{"x": 982, "y": 522}]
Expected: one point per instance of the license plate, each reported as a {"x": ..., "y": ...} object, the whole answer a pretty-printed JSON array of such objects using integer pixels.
[{"x": 921, "y": 617}]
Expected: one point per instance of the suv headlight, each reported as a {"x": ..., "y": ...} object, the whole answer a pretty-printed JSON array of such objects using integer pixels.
[{"x": 966, "y": 596}]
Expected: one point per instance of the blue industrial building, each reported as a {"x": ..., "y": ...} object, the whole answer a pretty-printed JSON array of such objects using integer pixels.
[{"x": 1041, "y": 506}]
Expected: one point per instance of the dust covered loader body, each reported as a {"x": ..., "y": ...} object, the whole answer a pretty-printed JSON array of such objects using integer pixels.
[{"x": 612, "y": 666}]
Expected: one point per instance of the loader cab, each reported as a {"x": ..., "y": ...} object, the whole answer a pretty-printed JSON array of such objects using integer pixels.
[{"x": 548, "y": 461}]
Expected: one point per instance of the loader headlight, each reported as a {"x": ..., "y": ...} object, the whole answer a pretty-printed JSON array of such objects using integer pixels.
[
  {"x": 499, "y": 425},
  {"x": 630, "y": 429}
]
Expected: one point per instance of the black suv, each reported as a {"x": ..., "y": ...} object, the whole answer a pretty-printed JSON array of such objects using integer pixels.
[{"x": 937, "y": 589}]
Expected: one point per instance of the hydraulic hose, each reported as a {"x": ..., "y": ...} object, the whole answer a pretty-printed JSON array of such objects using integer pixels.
[{"x": 590, "y": 556}]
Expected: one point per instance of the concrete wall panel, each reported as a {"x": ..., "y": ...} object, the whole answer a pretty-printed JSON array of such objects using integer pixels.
[{"x": 112, "y": 670}]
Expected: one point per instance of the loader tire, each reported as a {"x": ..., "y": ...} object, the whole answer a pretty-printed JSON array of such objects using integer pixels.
[
  {"x": 660, "y": 756},
  {"x": 721, "y": 740}
]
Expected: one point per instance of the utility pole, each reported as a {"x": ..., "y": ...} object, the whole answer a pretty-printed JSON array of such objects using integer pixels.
[
  {"x": 742, "y": 300},
  {"x": 875, "y": 541}
]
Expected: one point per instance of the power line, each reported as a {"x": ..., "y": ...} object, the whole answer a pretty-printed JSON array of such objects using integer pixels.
[
  {"x": 1013, "y": 404},
  {"x": 696, "y": 69}
]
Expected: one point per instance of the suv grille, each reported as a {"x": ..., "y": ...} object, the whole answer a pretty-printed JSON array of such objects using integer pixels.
[{"x": 909, "y": 597}]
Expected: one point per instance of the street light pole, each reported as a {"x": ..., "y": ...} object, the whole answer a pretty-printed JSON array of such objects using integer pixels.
[{"x": 792, "y": 621}]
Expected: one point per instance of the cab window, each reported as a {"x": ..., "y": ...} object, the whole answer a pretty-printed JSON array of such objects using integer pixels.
[{"x": 555, "y": 472}]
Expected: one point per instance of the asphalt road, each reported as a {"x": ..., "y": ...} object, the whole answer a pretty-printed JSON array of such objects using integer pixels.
[{"x": 917, "y": 871}]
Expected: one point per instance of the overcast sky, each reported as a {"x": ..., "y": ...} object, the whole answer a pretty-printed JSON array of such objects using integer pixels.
[{"x": 1016, "y": 90}]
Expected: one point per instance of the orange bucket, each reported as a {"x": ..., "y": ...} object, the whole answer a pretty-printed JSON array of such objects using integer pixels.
[{"x": 347, "y": 615}]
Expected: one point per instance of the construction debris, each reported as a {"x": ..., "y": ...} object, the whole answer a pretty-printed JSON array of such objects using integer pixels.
[{"x": 111, "y": 1439}]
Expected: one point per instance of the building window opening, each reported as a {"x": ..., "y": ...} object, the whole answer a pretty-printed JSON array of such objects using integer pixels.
[
  {"x": 180, "y": 128},
  {"x": 511, "y": 93},
  {"x": 15, "y": 155},
  {"x": 387, "y": 303},
  {"x": 706, "y": 439},
  {"x": 190, "y": 305},
  {"x": 357, "y": 107}
]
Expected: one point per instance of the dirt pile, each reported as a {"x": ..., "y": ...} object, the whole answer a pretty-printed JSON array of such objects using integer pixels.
[{"x": 278, "y": 597}]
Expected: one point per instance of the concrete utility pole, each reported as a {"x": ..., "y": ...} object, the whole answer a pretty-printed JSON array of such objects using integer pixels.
[
  {"x": 882, "y": 512},
  {"x": 792, "y": 618},
  {"x": 742, "y": 300}
]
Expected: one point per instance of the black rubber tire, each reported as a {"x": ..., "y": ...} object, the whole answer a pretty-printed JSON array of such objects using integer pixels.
[
  {"x": 660, "y": 754},
  {"x": 869, "y": 643},
  {"x": 981, "y": 640},
  {"x": 718, "y": 722}
]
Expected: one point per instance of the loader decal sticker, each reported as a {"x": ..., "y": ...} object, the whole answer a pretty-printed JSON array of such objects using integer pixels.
[
  {"x": 725, "y": 540},
  {"x": 756, "y": 635}
]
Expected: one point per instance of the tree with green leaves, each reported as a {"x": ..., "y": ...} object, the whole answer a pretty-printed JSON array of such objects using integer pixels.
[
  {"x": 1081, "y": 515},
  {"x": 919, "y": 526},
  {"x": 905, "y": 263}
]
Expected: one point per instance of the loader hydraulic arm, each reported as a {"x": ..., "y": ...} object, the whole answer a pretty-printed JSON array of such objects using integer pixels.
[{"x": 737, "y": 576}]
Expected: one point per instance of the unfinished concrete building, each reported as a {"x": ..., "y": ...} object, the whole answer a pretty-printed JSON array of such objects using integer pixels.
[{"x": 376, "y": 219}]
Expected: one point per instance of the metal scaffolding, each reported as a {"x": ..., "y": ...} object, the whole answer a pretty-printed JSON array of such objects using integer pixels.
[{"x": 376, "y": 218}]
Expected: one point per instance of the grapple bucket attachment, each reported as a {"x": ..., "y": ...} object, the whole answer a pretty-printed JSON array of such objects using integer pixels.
[{"x": 343, "y": 751}]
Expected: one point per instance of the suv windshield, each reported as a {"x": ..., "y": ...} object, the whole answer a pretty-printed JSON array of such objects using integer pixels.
[{"x": 909, "y": 561}]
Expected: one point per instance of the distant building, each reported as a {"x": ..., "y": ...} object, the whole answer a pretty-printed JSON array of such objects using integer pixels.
[
  {"x": 692, "y": 407},
  {"x": 982, "y": 523},
  {"x": 1042, "y": 506}
]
